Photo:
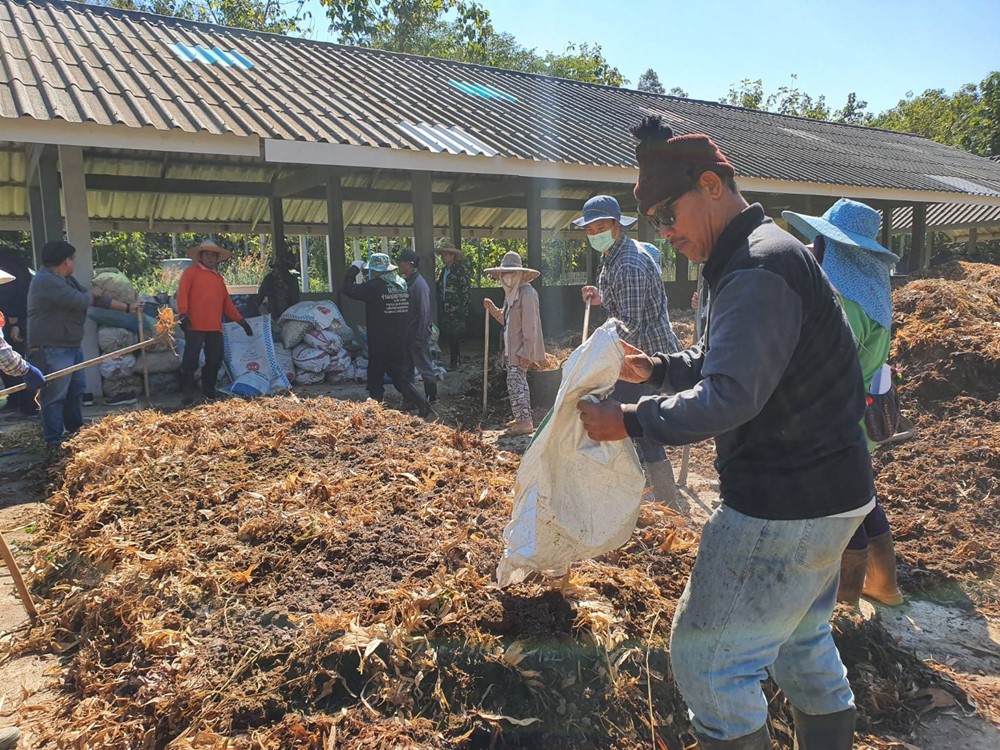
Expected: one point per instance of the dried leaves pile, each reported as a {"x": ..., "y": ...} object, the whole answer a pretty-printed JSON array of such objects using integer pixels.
[
  {"x": 287, "y": 574},
  {"x": 942, "y": 489}
]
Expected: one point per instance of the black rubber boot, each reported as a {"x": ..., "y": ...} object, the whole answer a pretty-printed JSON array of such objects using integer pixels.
[
  {"x": 431, "y": 390},
  {"x": 187, "y": 388},
  {"x": 759, "y": 740},
  {"x": 824, "y": 731}
]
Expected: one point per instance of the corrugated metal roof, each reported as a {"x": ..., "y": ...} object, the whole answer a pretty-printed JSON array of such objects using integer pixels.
[
  {"x": 944, "y": 216},
  {"x": 92, "y": 64}
]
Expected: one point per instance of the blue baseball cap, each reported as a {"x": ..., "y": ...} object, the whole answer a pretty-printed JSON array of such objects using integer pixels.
[{"x": 603, "y": 207}]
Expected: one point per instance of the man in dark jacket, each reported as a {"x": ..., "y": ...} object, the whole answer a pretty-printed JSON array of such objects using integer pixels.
[
  {"x": 280, "y": 287},
  {"x": 776, "y": 382},
  {"x": 387, "y": 310},
  {"x": 57, "y": 311},
  {"x": 14, "y": 304},
  {"x": 418, "y": 331}
]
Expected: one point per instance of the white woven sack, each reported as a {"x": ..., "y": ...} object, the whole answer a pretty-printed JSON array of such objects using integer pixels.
[
  {"x": 285, "y": 362},
  {"x": 293, "y": 331},
  {"x": 253, "y": 353},
  {"x": 111, "y": 339},
  {"x": 574, "y": 498},
  {"x": 339, "y": 362},
  {"x": 321, "y": 313},
  {"x": 114, "y": 284},
  {"x": 324, "y": 340},
  {"x": 158, "y": 362},
  {"x": 121, "y": 365},
  {"x": 309, "y": 359},
  {"x": 306, "y": 377}
]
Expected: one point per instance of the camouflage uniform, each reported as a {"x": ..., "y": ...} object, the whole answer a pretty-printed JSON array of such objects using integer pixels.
[{"x": 453, "y": 305}]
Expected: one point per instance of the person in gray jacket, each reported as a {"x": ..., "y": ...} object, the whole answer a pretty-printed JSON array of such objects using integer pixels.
[
  {"x": 776, "y": 381},
  {"x": 57, "y": 311},
  {"x": 418, "y": 327}
]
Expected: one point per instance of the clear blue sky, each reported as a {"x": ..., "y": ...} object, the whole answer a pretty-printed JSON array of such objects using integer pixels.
[{"x": 879, "y": 49}]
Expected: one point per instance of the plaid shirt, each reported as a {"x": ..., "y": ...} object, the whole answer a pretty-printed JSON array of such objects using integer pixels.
[
  {"x": 631, "y": 290},
  {"x": 11, "y": 363}
]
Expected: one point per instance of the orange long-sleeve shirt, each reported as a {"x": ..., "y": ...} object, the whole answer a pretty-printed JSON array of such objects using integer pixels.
[{"x": 203, "y": 297}]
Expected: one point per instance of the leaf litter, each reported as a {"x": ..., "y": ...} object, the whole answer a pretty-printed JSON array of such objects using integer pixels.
[{"x": 283, "y": 573}]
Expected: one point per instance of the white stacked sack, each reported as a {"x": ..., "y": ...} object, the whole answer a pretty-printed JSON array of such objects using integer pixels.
[{"x": 320, "y": 342}]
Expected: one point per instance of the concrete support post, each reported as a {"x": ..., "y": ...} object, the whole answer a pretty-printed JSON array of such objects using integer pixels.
[
  {"x": 886, "y": 232},
  {"x": 919, "y": 254},
  {"x": 534, "y": 207},
  {"x": 336, "y": 233},
  {"x": 43, "y": 201},
  {"x": 78, "y": 234},
  {"x": 329, "y": 268},
  {"x": 304, "y": 261},
  {"x": 423, "y": 229},
  {"x": 455, "y": 225},
  {"x": 277, "y": 226},
  {"x": 970, "y": 246}
]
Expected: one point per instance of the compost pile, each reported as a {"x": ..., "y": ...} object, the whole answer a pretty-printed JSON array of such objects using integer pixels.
[
  {"x": 289, "y": 574},
  {"x": 942, "y": 489}
]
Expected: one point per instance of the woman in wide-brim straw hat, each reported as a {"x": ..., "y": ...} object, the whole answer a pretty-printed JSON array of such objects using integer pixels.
[
  {"x": 522, "y": 334},
  {"x": 858, "y": 267},
  {"x": 194, "y": 253},
  {"x": 454, "y": 290}
]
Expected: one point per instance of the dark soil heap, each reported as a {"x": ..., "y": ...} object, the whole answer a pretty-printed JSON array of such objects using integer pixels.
[{"x": 291, "y": 574}]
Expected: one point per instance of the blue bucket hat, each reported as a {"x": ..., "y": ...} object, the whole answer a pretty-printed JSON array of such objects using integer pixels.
[
  {"x": 847, "y": 222},
  {"x": 603, "y": 207},
  {"x": 378, "y": 263}
]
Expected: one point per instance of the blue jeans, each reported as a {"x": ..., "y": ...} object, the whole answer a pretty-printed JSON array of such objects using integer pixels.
[
  {"x": 61, "y": 398},
  {"x": 760, "y": 598}
]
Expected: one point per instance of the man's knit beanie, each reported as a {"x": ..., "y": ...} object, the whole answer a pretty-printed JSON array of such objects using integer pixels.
[{"x": 670, "y": 165}]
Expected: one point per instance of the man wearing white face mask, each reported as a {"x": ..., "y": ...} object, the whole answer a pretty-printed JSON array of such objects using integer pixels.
[{"x": 630, "y": 288}]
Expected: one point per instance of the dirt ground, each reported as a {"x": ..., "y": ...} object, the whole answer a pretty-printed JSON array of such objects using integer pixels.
[{"x": 950, "y": 621}]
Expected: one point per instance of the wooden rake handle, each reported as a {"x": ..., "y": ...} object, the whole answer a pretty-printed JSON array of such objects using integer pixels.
[{"x": 15, "y": 573}]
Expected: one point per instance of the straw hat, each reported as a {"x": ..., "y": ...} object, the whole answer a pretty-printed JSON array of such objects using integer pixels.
[
  {"x": 194, "y": 253},
  {"x": 448, "y": 247},
  {"x": 512, "y": 262}
]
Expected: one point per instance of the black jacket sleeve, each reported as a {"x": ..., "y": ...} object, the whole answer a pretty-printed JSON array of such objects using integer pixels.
[{"x": 755, "y": 325}]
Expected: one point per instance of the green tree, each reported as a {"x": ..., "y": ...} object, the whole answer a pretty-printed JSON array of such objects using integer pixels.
[
  {"x": 584, "y": 63},
  {"x": 678, "y": 92},
  {"x": 274, "y": 16},
  {"x": 983, "y": 134},
  {"x": 934, "y": 114},
  {"x": 650, "y": 82},
  {"x": 747, "y": 94},
  {"x": 462, "y": 31},
  {"x": 854, "y": 112},
  {"x": 791, "y": 100},
  {"x": 455, "y": 29}
]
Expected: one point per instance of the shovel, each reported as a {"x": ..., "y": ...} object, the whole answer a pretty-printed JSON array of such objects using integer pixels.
[
  {"x": 682, "y": 475},
  {"x": 486, "y": 355},
  {"x": 84, "y": 365},
  {"x": 15, "y": 573}
]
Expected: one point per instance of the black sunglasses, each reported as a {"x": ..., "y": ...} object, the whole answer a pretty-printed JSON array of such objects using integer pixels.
[{"x": 663, "y": 215}]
